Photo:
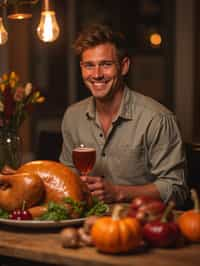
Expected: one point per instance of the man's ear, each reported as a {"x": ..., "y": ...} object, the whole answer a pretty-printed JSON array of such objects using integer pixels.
[{"x": 125, "y": 64}]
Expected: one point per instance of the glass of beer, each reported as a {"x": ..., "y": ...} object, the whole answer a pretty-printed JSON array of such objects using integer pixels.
[{"x": 84, "y": 159}]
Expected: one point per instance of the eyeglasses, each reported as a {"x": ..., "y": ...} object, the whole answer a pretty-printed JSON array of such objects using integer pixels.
[{"x": 106, "y": 64}]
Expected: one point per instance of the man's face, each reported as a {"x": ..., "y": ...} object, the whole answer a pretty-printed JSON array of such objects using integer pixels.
[{"x": 101, "y": 70}]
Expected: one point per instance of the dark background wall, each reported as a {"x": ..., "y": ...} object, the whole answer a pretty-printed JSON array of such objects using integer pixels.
[
  {"x": 137, "y": 19},
  {"x": 168, "y": 73}
]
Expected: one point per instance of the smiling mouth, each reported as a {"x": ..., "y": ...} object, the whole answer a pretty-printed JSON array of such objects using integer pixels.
[
  {"x": 99, "y": 82},
  {"x": 98, "y": 85}
]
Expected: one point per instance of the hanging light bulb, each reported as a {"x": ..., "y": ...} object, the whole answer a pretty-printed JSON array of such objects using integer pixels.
[
  {"x": 48, "y": 29},
  {"x": 3, "y": 33},
  {"x": 22, "y": 11}
]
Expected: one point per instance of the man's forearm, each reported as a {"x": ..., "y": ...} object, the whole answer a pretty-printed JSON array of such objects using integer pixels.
[{"x": 127, "y": 193}]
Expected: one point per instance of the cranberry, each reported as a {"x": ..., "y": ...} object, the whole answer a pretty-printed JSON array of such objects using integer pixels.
[{"x": 20, "y": 215}]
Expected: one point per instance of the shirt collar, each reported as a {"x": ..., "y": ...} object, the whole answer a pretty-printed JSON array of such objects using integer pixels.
[
  {"x": 125, "y": 110},
  {"x": 91, "y": 108}
]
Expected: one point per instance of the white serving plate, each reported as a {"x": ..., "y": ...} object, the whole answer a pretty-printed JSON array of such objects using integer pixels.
[{"x": 41, "y": 224}]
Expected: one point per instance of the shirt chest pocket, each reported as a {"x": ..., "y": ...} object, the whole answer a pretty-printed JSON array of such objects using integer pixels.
[{"x": 127, "y": 162}]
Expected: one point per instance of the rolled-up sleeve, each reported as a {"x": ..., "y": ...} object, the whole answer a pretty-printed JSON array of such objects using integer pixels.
[{"x": 167, "y": 159}]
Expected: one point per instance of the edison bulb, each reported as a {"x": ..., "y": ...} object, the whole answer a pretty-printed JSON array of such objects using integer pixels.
[
  {"x": 3, "y": 33},
  {"x": 48, "y": 29}
]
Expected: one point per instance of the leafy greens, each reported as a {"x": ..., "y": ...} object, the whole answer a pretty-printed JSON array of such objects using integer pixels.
[
  {"x": 4, "y": 214},
  {"x": 57, "y": 212}
]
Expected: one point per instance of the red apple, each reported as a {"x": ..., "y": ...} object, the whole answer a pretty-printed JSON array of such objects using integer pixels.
[{"x": 162, "y": 233}]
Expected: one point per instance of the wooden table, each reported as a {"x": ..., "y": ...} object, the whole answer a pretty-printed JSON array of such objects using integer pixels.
[{"x": 45, "y": 246}]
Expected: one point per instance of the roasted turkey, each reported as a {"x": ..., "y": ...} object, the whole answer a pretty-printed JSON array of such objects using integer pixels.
[
  {"x": 39, "y": 182},
  {"x": 17, "y": 188}
]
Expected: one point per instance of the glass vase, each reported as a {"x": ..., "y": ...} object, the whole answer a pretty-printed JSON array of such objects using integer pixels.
[{"x": 10, "y": 150}]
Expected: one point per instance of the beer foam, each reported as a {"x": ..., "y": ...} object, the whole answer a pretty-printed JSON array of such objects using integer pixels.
[{"x": 84, "y": 149}]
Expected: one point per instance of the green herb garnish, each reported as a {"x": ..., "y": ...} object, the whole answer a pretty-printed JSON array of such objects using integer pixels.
[
  {"x": 55, "y": 212},
  {"x": 4, "y": 214},
  {"x": 98, "y": 208},
  {"x": 77, "y": 206}
]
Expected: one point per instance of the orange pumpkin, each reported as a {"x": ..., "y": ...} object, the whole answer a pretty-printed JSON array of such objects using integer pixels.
[
  {"x": 189, "y": 221},
  {"x": 116, "y": 234}
]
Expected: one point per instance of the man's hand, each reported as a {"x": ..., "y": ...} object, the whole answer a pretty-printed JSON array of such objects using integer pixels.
[
  {"x": 109, "y": 193},
  {"x": 100, "y": 188}
]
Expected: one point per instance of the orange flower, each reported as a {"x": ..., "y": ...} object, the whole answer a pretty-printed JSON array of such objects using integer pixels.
[
  {"x": 40, "y": 99},
  {"x": 5, "y": 77},
  {"x": 2, "y": 87}
]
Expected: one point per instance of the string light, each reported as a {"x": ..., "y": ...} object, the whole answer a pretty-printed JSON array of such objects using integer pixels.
[
  {"x": 48, "y": 29},
  {"x": 3, "y": 33}
]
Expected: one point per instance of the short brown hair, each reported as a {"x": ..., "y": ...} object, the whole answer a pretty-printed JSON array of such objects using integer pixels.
[{"x": 97, "y": 34}]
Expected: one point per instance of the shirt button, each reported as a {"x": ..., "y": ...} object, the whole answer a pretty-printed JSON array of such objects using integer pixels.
[{"x": 101, "y": 135}]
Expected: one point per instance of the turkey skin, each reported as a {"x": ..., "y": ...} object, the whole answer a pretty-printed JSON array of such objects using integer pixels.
[{"x": 38, "y": 182}]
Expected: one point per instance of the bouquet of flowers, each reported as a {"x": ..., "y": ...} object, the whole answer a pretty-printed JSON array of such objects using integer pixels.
[{"x": 16, "y": 101}]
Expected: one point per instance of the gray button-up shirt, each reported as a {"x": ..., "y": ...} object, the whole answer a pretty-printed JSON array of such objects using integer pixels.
[{"x": 142, "y": 146}]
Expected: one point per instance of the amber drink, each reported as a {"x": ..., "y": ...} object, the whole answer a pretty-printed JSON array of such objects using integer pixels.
[{"x": 84, "y": 159}]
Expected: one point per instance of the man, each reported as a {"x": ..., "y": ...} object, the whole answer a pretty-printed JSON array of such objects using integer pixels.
[{"x": 138, "y": 144}]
